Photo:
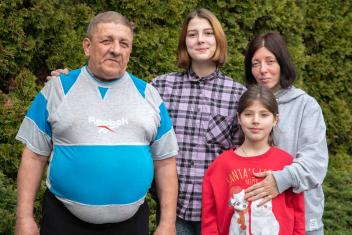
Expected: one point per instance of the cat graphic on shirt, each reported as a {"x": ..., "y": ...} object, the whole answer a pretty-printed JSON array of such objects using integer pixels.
[
  {"x": 239, "y": 220},
  {"x": 263, "y": 221}
]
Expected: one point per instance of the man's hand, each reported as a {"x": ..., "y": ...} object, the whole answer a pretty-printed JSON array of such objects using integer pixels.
[
  {"x": 164, "y": 229},
  {"x": 265, "y": 190},
  {"x": 57, "y": 73},
  {"x": 29, "y": 176},
  {"x": 26, "y": 226}
]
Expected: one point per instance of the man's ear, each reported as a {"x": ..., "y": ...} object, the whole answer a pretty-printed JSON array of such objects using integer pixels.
[{"x": 86, "y": 46}]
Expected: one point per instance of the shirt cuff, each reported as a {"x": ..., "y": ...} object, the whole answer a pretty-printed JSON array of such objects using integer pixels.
[{"x": 283, "y": 179}]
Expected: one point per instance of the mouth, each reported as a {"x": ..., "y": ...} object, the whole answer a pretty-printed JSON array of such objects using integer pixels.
[
  {"x": 113, "y": 60},
  {"x": 201, "y": 49},
  {"x": 264, "y": 79},
  {"x": 255, "y": 130}
]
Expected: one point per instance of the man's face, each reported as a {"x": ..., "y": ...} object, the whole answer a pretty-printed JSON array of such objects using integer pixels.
[{"x": 109, "y": 50}]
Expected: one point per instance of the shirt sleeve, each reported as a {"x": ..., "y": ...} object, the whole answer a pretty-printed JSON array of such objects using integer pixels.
[
  {"x": 209, "y": 222},
  {"x": 164, "y": 144},
  {"x": 35, "y": 130},
  {"x": 309, "y": 167},
  {"x": 235, "y": 129}
]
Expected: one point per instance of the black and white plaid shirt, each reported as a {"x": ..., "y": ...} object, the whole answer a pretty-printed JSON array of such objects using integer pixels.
[{"x": 203, "y": 112}]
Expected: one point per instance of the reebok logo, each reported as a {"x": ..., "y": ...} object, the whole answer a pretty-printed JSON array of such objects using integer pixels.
[{"x": 109, "y": 125}]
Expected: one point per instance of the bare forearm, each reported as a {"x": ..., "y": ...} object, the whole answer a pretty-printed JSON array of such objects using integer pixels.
[
  {"x": 28, "y": 182},
  {"x": 167, "y": 189}
]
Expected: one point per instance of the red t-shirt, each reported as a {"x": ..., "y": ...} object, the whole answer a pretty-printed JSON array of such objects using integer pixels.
[{"x": 223, "y": 191}]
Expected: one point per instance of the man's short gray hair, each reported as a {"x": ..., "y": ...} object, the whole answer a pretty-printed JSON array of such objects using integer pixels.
[{"x": 108, "y": 17}]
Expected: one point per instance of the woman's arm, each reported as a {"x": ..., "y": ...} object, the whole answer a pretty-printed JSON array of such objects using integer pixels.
[
  {"x": 309, "y": 167},
  {"x": 310, "y": 164}
]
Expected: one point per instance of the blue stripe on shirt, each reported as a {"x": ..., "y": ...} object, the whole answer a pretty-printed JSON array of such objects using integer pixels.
[
  {"x": 140, "y": 84},
  {"x": 39, "y": 114},
  {"x": 101, "y": 175},
  {"x": 67, "y": 81},
  {"x": 165, "y": 123}
]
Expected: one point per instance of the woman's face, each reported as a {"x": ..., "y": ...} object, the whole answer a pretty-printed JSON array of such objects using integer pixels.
[
  {"x": 266, "y": 69},
  {"x": 200, "y": 40}
]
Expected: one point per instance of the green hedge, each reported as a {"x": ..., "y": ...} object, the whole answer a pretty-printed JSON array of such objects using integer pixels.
[{"x": 40, "y": 35}]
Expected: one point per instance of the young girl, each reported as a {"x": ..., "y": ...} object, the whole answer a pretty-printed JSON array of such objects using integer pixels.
[{"x": 224, "y": 209}]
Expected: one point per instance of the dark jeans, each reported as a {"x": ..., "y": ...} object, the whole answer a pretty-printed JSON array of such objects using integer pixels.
[{"x": 184, "y": 227}]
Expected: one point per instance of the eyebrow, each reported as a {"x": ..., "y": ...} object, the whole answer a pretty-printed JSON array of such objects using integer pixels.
[
  {"x": 201, "y": 30},
  {"x": 111, "y": 37},
  {"x": 261, "y": 110},
  {"x": 106, "y": 36},
  {"x": 267, "y": 57}
]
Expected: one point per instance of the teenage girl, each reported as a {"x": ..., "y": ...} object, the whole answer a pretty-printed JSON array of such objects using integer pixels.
[
  {"x": 224, "y": 209},
  {"x": 202, "y": 102}
]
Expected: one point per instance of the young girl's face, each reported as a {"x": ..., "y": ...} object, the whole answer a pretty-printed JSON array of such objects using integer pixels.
[
  {"x": 200, "y": 40},
  {"x": 266, "y": 69},
  {"x": 257, "y": 122}
]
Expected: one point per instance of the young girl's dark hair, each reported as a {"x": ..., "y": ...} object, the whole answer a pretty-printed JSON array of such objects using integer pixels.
[{"x": 265, "y": 97}]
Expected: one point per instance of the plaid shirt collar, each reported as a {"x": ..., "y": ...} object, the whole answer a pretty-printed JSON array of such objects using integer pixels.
[{"x": 195, "y": 78}]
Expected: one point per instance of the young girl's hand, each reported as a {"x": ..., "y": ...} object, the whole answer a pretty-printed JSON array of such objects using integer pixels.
[{"x": 265, "y": 190}]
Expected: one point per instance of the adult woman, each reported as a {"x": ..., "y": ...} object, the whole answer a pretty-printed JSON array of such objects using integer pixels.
[
  {"x": 301, "y": 130},
  {"x": 202, "y": 103}
]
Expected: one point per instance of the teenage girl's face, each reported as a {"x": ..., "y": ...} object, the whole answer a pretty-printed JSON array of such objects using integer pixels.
[
  {"x": 200, "y": 40},
  {"x": 266, "y": 69},
  {"x": 257, "y": 122}
]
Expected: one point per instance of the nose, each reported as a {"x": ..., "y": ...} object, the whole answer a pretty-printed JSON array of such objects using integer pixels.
[
  {"x": 115, "y": 47},
  {"x": 200, "y": 38},
  {"x": 255, "y": 118},
  {"x": 263, "y": 67}
]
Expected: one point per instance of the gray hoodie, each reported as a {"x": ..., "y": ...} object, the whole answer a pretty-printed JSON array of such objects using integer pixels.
[{"x": 302, "y": 132}]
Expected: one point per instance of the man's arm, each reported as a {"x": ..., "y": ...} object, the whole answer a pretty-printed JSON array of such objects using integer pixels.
[
  {"x": 167, "y": 190},
  {"x": 28, "y": 183}
]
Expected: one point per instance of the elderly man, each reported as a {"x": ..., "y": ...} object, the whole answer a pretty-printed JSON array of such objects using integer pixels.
[{"x": 105, "y": 132}]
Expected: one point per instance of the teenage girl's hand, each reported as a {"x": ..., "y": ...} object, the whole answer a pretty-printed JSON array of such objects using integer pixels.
[
  {"x": 265, "y": 190},
  {"x": 57, "y": 73}
]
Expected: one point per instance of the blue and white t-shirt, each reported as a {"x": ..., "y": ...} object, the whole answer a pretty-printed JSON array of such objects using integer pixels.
[{"x": 102, "y": 138}]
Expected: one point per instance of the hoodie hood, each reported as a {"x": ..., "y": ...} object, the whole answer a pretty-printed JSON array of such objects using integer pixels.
[{"x": 287, "y": 95}]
